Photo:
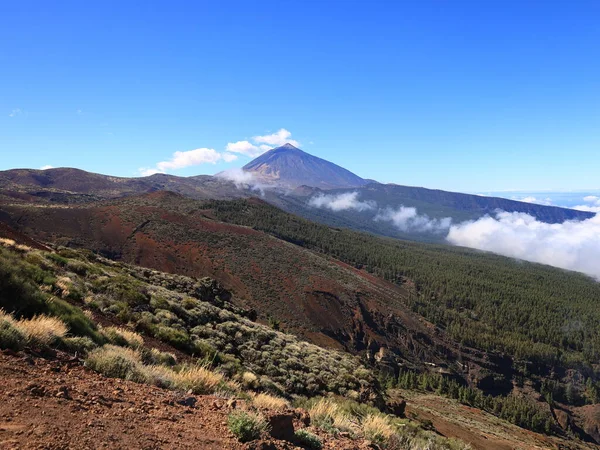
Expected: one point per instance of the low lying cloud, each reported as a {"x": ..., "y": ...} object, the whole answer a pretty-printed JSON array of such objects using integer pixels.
[
  {"x": 243, "y": 180},
  {"x": 46, "y": 167},
  {"x": 262, "y": 144},
  {"x": 341, "y": 202},
  {"x": 572, "y": 245},
  {"x": 407, "y": 218}
]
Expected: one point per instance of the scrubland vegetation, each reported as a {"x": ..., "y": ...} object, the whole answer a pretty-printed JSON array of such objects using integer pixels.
[
  {"x": 48, "y": 302},
  {"x": 534, "y": 312}
]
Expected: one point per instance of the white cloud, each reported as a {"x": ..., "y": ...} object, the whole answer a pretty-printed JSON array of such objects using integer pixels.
[
  {"x": 341, "y": 202},
  {"x": 147, "y": 171},
  {"x": 594, "y": 204},
  {"x": 229, "y": 157},
  {"x": 276, "y": 139},
  {"x": 261, "y": 144},
  {"x": 407, "y": 218},
  {"x": 15, "y": 112},
  {"x": 242, "y": 179},
  {"x": 190, "y": 158},
  {"x": 245, "y": 148},
  {"x": 180, "y": 160},
  {"x": 46, "y": 167},
  {"x": 531, "y": 199},
  {"x": 573, "y": 245}
]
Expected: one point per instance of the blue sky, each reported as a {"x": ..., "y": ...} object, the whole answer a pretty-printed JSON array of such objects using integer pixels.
[{"x": 467, "y": 96}]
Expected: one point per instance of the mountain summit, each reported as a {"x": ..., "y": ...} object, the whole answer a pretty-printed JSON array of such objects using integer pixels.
[{"x": 291, "y": 167}]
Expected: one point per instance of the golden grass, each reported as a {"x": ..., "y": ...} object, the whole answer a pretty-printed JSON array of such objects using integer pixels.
[
  {"x": 42, "y": 330},
  {"x": 327, "y": 414},
  {"x": 198, "y": 379},
  {"x": 64, "y": 284},
  {"x": 249, "y": 380},
  {"x": 269, "y": 401},
  {"x": 6, "y": 317},
  {"x": 122, "y": 336},
  {"x": 7, "y": 242},
  {"x": 377, "y": 428}
]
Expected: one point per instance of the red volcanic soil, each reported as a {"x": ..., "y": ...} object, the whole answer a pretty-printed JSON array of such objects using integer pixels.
[
  {"x": 56, "y": 403},
  {"x": 315, "y": 297}
]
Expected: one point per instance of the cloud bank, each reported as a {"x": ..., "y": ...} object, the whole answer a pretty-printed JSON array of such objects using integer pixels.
[
  {"x": 572, "y": 245},
  {"x": 408, "y": 219},
  {"x": 341, "y": 202}
]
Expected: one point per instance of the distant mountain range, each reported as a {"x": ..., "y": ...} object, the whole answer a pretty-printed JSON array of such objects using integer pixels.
[{"x": 294, "y": 178}]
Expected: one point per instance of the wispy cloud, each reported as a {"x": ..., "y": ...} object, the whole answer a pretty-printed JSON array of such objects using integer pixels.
[
  {"x": 341, "y": 202},
  {"x": 16, "y": 112},
  {"x": 262, "y": 144},
  {"x": 46, "y": 167},
  {"x": 573, "y": 245},
  {"x": 406, "y": 218},
  {"x": 243, "y": 180}
]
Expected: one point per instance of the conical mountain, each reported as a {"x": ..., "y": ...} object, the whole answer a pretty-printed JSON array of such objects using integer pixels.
[{"x": 291, "y": 167}]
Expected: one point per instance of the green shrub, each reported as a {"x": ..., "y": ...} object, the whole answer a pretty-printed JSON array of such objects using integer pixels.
[
  {"x": 246, "y": 426},
  {"x": 73, "y": 317},
  {"x": 307, "y": 439},
  {"x": 177, "y": 338},
  {"x": 81, "y": 345},
  {"x": 10, "y": 336},
  {"x": 117, "y": 362},
  {"x": 60, "y": 260}
]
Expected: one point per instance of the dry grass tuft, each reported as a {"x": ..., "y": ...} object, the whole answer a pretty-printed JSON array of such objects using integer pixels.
[
  {"x": 249, "y": 380},
  {"x": 42, "y": 331},
  {"x": 269, "y": 401},
  {"x": 328, "y": 416},
  {"x": 125, "y": 338},
  {"x": 377, "y": 428},
  {"x": 198, "y": 379}
]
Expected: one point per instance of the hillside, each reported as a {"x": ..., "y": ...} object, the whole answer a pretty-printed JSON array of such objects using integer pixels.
[
  {"x": 145, "y": 356},
  {"x": 402, "y": 306}
]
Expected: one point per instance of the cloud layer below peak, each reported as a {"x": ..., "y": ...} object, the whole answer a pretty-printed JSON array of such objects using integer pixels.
[{"x": 572, "y": 245}]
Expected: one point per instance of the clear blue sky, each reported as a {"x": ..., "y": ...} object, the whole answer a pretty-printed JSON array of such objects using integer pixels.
[{"x": 468, "y": 96}]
